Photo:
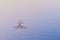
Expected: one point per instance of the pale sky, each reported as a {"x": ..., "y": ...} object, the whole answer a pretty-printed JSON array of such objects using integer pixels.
[{"x": 27, "y": 8}]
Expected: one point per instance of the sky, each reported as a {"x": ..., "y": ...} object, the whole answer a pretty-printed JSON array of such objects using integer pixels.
[{"x": 30, "y": 8}]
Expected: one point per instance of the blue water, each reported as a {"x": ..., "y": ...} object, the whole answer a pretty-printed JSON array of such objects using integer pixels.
[{"x": 37, "y": 29}]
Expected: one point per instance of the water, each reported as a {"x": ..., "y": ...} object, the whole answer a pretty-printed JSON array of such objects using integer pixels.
[
  {"x": 41, "y": 17},
  {"x": 45, "y": 29}
]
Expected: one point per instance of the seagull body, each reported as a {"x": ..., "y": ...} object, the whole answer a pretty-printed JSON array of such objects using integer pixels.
[{"x": 20, "y": 25}]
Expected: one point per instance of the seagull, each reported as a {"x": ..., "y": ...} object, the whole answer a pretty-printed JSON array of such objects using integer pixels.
[{"x": 20, "y": 24}]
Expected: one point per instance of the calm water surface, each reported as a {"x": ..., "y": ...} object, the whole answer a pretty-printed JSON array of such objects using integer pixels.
[{"x": 37, "y": 29}]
